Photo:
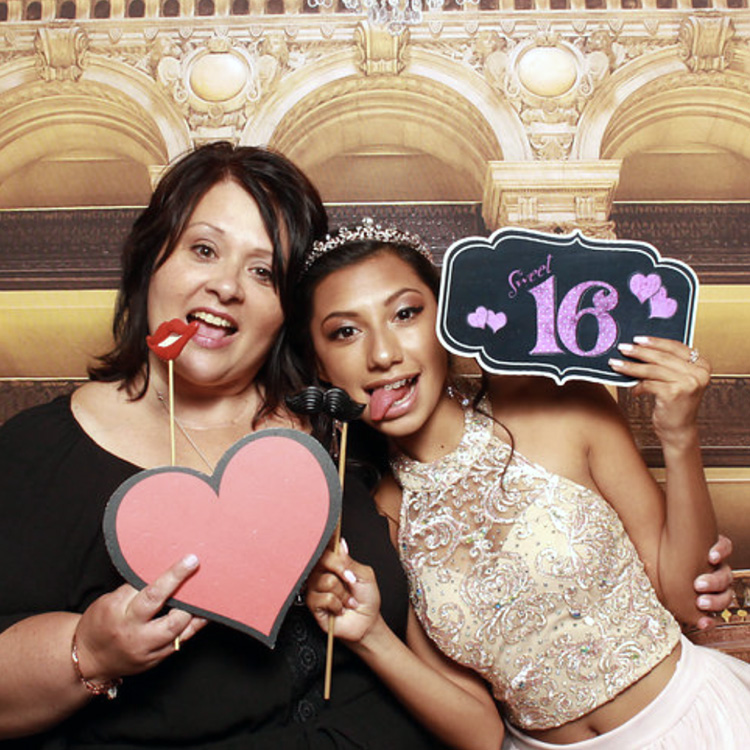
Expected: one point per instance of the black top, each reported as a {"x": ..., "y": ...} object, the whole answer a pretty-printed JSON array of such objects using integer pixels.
[{"x": 224, "y": 690}]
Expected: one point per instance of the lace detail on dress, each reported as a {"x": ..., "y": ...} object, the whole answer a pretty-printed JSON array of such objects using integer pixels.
[
  {"x": 301, "y": 643},
  {"x": 528, "y": 578}
]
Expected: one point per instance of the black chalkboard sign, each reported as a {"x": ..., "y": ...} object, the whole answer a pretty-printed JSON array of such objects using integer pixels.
[{"x": 528, "y": 302}]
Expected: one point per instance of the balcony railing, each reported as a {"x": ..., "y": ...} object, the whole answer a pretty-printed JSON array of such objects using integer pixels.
[{"x": 49, "y": 10}]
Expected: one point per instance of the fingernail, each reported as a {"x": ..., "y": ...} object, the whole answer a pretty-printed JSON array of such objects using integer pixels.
[
  {"x": 352, "y": 603},
  {"x": 713, "y": 556},
  {"x": 344, "y": 546},
  {"x": 625, "y": 348},
  {"x": 615, "y": 362},
  {"x": 704, "y": 602},
  {"x": 190, "y": 561},
  {"x": 641, "y": 339},
  {"x": 349, "y": 576},
  {"x": 701, "y": 585}
]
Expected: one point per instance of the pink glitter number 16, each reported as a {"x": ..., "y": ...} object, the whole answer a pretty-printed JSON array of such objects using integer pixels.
[{"x": 569, "y": 316}]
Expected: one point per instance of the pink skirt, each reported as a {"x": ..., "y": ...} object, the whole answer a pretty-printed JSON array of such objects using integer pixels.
[{"x": 705, "y": 706}]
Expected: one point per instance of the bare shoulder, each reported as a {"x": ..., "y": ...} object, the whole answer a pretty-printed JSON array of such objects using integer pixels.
[
  {"x": 388, "y": 496},
  {"x": 388, "y": 503}
]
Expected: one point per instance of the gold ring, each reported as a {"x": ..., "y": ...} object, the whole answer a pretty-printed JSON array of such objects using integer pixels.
[
  {"x": 693, "y": 358},
  {"x": 177, "y": 643}
]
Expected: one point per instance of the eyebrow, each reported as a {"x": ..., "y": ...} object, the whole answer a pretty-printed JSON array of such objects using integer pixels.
[
  {"x": 219, "y": 230},
  {"x": 386, "y": 302},
  {"x": 204, "y": 225}
]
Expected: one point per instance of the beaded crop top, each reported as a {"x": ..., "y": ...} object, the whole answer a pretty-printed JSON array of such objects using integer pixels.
[{"x": 529, "y": 579}]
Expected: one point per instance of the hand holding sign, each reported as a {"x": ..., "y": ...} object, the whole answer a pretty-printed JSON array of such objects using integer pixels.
[{"x": 535, "y": 303}]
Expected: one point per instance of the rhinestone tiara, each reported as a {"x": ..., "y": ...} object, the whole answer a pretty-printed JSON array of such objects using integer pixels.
[{"x": 367, "y": 230}]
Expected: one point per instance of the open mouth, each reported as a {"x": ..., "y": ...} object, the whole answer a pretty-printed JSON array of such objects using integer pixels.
[{"x": 208, "y": 320}]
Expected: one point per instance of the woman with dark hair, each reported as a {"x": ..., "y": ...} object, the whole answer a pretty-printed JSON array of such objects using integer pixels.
[
  {"x": 291, "y": 213},
  {"x": 224, "y": 233},
  {"x": 542, "y": 556}
]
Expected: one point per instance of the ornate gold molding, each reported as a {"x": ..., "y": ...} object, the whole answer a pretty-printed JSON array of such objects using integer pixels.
[
  {"x": 61, "y": 53},
  {"x": 378, "y": 51},
  {"x": 706, "y": 42},
  {"x": 551, "y": 196}
]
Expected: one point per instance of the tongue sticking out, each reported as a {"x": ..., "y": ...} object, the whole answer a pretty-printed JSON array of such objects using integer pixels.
[{"x": 382, "y": 400}]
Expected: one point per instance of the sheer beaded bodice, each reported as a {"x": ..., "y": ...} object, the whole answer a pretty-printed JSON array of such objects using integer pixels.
[{"x": 527, "y": 578}]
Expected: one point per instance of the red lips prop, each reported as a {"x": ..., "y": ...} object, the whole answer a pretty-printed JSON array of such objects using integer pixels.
[
  {"x": 258, "y": 525},
  {"x": 170, "y": 338}
]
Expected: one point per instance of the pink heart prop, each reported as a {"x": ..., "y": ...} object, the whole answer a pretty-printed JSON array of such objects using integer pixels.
[
  {"x": 645, "y": 287},
  {"x": 482, "y": 317},
  {"x": 496, "y": 321},
  {"x": 661, "y": 305},
  {"x": 257, "y": 525},
  {"x": 478, "y": 319}
]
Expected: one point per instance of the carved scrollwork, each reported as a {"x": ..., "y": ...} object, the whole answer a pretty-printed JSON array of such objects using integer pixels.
[
  {"x": 61, "y": 53},
  {"x": 380, "y": 52},
  {"x": 548, "y": 81},
  {"x": 492, "y": 51},
  {"x": 706, "y": 42}
]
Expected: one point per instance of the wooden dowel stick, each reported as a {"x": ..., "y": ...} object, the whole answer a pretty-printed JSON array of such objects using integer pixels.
[
  {"x": 170, "y": 366},
  {"x": 336, "y": 543}
]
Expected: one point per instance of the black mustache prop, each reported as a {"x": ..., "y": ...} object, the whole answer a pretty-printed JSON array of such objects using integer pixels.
[{"x": 335, "y": 402}]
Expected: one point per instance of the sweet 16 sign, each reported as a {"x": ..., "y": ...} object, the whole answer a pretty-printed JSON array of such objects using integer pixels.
[{"x": 545, "y": 304}]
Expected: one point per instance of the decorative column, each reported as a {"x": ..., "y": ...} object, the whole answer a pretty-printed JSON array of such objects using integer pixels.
[{"x": 551, "y": 196}]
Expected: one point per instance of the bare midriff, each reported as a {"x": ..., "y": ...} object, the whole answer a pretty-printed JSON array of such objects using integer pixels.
[{"x": 616, "y": 712}]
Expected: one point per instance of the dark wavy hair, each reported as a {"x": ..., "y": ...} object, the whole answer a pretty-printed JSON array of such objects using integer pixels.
[{"x": 293, "y": 216}]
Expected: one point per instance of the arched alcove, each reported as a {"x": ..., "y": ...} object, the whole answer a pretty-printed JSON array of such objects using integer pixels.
[
  {"x": 682, "y": 139},
  {"x": 70, "y": 150},
  {"x": 681, "y": 135},
  {"x": 419, "y": 129},
  {"x": 370, "y": 141},
  {"x": 91, "y": 142}
]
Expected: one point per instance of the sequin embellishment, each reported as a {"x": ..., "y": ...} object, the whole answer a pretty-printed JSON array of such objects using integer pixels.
[{"x": 530, "y": 580}]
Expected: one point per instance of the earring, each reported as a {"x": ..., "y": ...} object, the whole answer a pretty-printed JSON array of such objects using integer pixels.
[{"x": 455, "y": 394}]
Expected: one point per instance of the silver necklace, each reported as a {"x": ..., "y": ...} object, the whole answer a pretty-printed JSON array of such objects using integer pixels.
[{"x": 185, "y": 433}]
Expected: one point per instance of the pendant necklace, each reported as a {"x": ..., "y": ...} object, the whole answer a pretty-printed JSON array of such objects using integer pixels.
[{"x": 187, "y": 436}]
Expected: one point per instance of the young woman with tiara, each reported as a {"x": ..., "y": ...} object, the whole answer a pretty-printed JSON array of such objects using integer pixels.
[{"x": 540, "y": 552}]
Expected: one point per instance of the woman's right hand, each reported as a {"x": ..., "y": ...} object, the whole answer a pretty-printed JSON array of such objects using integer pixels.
[
  {"x": 448, "y": 699},
  {"x": 340, "y": 587},
  {"x": 122, "y": 633}
]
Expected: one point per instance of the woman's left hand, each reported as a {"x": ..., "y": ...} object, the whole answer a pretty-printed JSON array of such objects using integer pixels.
[{"x": 674, "y": 374}]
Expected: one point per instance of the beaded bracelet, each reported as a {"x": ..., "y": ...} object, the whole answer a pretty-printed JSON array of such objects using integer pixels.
[{"x": 109, "y": 687}]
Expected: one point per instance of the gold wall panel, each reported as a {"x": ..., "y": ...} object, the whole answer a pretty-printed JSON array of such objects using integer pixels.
[
  {"x": 53, "y": 333},
  {"x": 50, "y": 333},
  {"x": 722, "y": 329}
]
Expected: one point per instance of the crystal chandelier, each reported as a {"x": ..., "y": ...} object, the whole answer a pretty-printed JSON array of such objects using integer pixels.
[{"x": 394, "y": 15}]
